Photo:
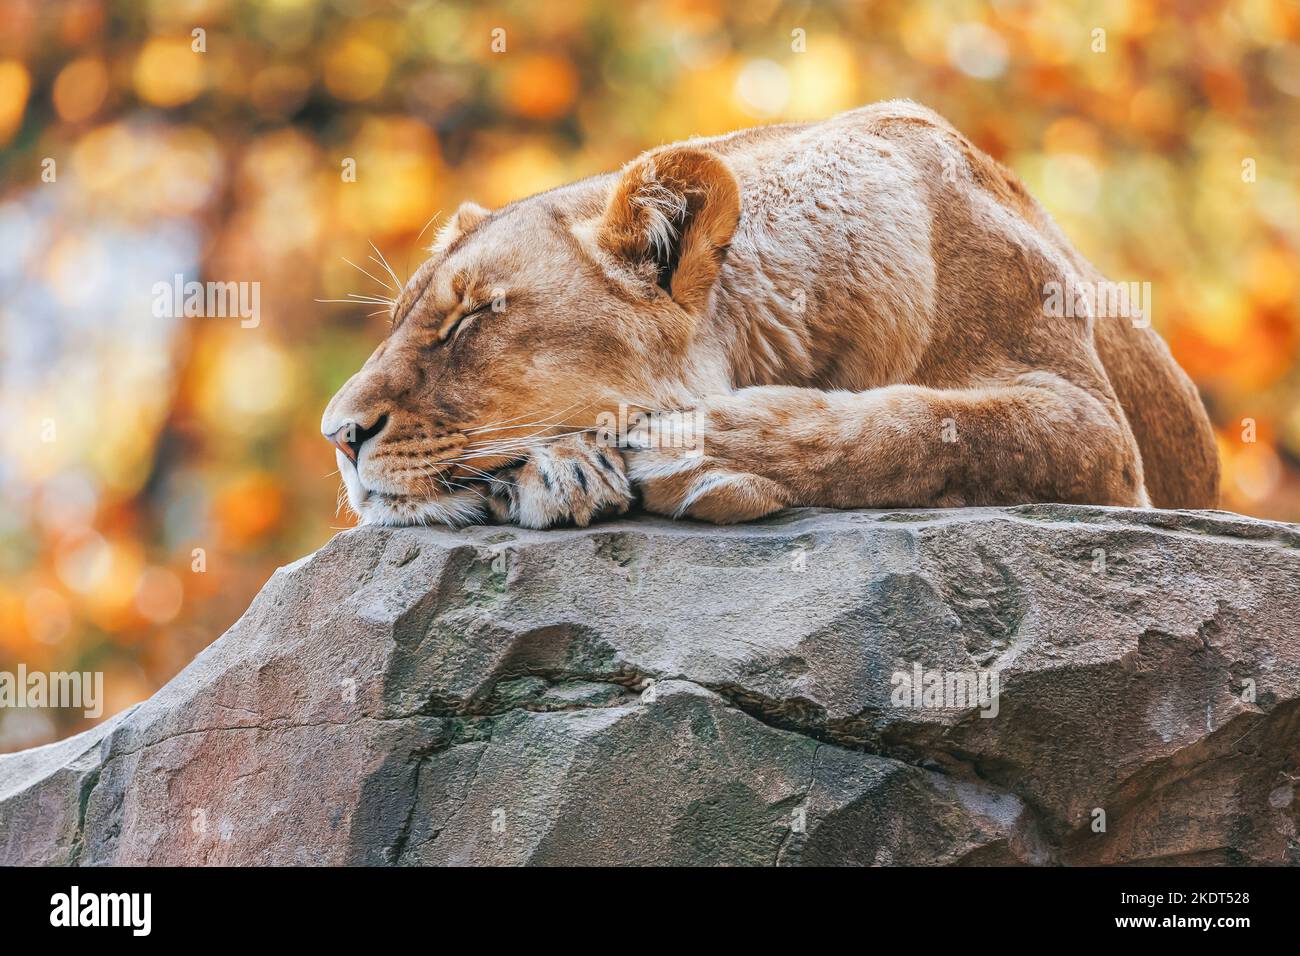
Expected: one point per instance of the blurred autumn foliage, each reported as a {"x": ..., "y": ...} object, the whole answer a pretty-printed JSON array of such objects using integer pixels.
[{"x": 154, "y": 470}]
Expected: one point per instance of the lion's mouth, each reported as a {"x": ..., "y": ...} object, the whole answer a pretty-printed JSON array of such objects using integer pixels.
[
  {"x": 454, "y": 493},
  {"x": 442, "y": 481},
  {"x": 454, "y": 499},
  {"x": 455, "y": 509}
]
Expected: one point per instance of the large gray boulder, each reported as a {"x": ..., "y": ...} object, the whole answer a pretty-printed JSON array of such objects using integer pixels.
[{"x": 648, "y": 692}]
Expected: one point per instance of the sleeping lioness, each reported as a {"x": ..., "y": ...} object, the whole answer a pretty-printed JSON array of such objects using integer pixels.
[{"x": 853, "y": 312}]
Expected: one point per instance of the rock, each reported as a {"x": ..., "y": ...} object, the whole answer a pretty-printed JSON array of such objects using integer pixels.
[{"x": 674, "y": 693}]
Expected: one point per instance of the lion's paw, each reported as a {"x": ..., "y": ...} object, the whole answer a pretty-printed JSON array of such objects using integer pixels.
[
  {"x": 570, "y": 480},
  {"x": 690, "y": 485}
]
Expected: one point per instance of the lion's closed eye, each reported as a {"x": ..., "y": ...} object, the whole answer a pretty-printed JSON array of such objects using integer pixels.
[{"x": 453, "y": 327}]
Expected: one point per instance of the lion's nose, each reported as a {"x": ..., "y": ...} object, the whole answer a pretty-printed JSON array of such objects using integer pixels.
[{"x": 352, "y": 436}]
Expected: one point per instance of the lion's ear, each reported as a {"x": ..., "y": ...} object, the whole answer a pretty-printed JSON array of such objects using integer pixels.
[
  {"x": 670, "y": 219},
  {"x": 464, "y": 221}
]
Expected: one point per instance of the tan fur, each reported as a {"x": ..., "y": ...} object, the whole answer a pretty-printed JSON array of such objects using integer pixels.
[{"x": 854, "y": 309}]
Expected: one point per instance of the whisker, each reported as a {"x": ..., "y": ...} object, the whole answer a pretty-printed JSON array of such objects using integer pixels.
[
  {"x": 431, "y": 477},
  {"x": 457, "y": 484},
  {"x": 367, "y": 274},
  {"x": 427, "y": 225},
  {"x": 384, "y": 262},
  {"x": 526, "y": 440},
  {"x": 497, "y": 426},
  {"x": 502, "y": 428},
  {"x": 511, "y": 452},
  {"x": 416, "y": 244},
  {"x": 477, "y": 471}
]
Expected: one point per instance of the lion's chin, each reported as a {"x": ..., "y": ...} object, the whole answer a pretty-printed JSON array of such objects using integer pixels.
[{"x": 456, "y": 510}]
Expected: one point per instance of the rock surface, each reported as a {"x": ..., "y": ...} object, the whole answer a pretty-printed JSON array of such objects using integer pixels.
[{"x": 424, "y": 696}]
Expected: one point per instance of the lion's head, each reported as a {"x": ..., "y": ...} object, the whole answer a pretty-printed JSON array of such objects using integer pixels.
[{"x": 531, "y": 322}]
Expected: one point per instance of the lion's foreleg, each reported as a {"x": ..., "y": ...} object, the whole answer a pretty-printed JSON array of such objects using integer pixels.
[{"x": 761, "y": 449}]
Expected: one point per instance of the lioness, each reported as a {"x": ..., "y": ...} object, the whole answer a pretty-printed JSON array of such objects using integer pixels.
[{"x": 853, "y": 311}]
